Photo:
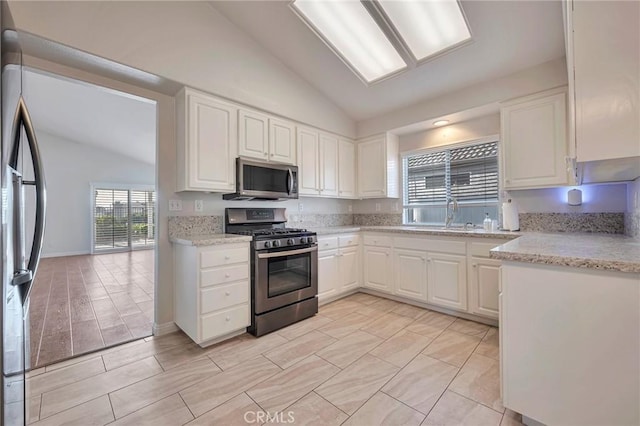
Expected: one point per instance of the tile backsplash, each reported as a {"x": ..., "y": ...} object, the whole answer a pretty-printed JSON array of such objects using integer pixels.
[
  {"x": 319, "y": 220},
  {"x": 607, "y": 223},
  {"x": 378, "y": 219}
]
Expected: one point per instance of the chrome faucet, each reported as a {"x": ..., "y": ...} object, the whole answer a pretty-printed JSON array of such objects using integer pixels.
[{"x": 450, "y": 212}]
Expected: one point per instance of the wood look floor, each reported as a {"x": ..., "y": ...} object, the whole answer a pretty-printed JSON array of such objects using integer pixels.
[
  {"x": 81, "y": 304},
  {"x": 361, "y": 361}
]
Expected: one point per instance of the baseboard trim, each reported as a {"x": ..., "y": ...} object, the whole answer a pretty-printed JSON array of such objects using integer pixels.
[
  {"x": 66, "y": 253},
  {"x": 165, "y": 328}
]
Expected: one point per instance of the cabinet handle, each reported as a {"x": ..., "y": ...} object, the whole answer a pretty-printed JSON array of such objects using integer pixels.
[
  {"x": 226, "y": 293},
  {"x": 227, "y": 257},
  {"x": 227, "y": 319},
  {"x": 508, "y": 180},
  {"x": 227, "y": 275},
  {"x": 428, "y": 259},
  {"x": 265, "y": 154},
  {"x": 474, "y": 265},
  {"x": 423, "y": 259},
  {"x": 350, "y": 241}
]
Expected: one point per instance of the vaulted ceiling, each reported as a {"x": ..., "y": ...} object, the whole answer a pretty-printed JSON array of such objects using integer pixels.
[{"x": 508, "y": 36}]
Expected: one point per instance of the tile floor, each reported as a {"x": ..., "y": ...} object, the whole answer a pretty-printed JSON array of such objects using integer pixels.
[
  {"x": 361, "y": 361},
  {"x": 83, "y": 303}
]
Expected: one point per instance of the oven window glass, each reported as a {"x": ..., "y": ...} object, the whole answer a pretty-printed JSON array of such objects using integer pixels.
[
  {"x": 289, "y": 273},
  {"x": 264, "y": 179}
]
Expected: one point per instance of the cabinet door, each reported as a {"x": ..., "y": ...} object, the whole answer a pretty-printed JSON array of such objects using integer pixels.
[
  {"x": 282, "y": 141},
  {"x": 253, "y": 135},
  {"x": 328, "y": 165},
  {"x": 447, "y": 280},
  {"x": 606, "y": 56},
  {"x": 349, "y": 267},
  {"x": 534, "y": 142},
  {"x": 328, "y": 274},
  {"x": 372, "y": 169},
  {"x": 346, "y": 169},
  {"x": 483, "y": 288},
  {"x": 378, "y": 268},
  {"x": 308, "y": 173},
  {"x": 411, "y": 274},
  {"x": 211, "y": 144}
]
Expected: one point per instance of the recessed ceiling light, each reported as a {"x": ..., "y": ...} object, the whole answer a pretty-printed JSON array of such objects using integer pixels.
[
  {"x": 440, "y": 122},
  {"x": 348, "y": 29}
]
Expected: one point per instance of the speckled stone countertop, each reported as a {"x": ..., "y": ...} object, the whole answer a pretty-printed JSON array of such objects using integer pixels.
[
  {"x": 594, "y": 251},
  {"x": 209, "y": 240},
  {"x": 418, "y": 230}
]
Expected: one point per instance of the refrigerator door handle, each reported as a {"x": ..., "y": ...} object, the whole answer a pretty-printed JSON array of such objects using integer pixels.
[{"x": 24, "y": 277}]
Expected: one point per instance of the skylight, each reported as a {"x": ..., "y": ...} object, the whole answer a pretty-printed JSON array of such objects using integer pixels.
[{"x": 379, "y": 38}]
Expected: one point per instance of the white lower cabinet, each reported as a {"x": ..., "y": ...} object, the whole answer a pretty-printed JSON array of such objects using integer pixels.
[
  {"x": 212, "y": 291},
  {"x": 328, "y": 274},
  {"x": 447, "y": 280},
  {"x": 484, "y": 276},
  {"x": 411, "y": 274},
  {"x": 378, "y": 266},
  {"x": 338, "y": 265}
]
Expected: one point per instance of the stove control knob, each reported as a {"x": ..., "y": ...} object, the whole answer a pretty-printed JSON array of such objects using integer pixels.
[
  {"x": 304, "y": 240},
  {"x": 290, "y": 242},
  {"x": 267, "y": 244},
  {"x": 276, "y": 243}
]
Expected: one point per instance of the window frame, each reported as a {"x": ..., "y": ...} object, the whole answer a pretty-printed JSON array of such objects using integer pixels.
[
  {"x": 120, "y": 187},
  {"x": 405, "y": 154}
]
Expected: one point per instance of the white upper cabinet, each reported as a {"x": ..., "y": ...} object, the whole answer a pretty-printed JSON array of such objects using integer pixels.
[
  {"x": 603, "y": 55},
  {"x": 346, "y": 169},
  {"x": 282, "y": 141},
  {"x": 308, "y": 172},
  {"x": 534, "y": 140},
  {"x": 253, "y": 134},
  {"x": 378, "y": 167},
  {"x": 266, "y": 138},
  {"x": 328, "y": 155},
  {"x": 206, "y": 142}
]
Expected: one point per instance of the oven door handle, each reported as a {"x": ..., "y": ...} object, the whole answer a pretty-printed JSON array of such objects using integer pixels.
[{"x": 287, "y": 253}]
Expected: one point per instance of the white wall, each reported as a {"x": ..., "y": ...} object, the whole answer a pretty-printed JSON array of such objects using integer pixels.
[
  {"x": 189, "y": 42},
  {"x": 596, "y": 198},
  {"x": 535, "y": 79},
  {"x": 215, "y": 205},
  {"x": 70, "y": 168}
]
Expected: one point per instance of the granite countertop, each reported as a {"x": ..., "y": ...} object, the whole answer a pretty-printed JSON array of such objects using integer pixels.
[
  {"x": 594, "y": 251},
  {"x": 418, "y": 230},
  {"x": 209, "y": 239}
]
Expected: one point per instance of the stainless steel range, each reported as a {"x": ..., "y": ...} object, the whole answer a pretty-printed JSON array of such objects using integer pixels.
[{"x": 284, "y": 267}]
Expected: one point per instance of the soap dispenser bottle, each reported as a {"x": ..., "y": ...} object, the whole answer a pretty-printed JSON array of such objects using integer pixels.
[{"x": 486, "y": 224}]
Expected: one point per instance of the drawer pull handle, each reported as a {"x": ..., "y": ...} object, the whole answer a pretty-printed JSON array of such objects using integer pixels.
[
  {"x": 350, "y": 241},
  {"x": 227, "y": 275},
  {"x": 227, "y": 293},
  {"x": 475, "y": 265},
  {"x": 227, "y": 257},
  {"x": 227, "y": 319}
]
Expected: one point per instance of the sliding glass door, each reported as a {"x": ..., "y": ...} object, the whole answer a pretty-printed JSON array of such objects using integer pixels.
[{"x": 123, "y": 219}]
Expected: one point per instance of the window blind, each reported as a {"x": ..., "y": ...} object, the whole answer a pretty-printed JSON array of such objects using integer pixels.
[
  {"x": 142, "y": 217},
  {"x": 470, "y": 174}
]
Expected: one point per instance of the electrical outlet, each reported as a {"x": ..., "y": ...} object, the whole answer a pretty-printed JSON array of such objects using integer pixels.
[
  {"x": 199, "y": 205},
  {"x": 175, "y": 205},
  {"x": 378, "y": 207},
  {"x": 300, "y": 207},
  {"x": 350, "y": 208}
]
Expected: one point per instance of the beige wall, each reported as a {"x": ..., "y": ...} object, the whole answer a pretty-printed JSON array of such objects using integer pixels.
[
  {"x": 535, "y": 79},
  {"x": 188, "y": 42}
]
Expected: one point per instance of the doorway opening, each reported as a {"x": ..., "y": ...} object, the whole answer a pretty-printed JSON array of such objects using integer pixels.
[{"x": 95, "y": 284}]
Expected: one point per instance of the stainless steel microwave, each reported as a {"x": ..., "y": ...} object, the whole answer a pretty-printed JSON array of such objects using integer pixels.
[{"x": 264, "y": 181}]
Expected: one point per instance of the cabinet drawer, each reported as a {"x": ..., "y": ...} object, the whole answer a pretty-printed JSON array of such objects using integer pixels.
[
  {"x": 223, "y": 275},
  {"x": 224, "y": 322},
  {"x": 220, "y": 257},
  {"x": 377, "y": 240},
  {"x": 223, "y": 296},
  {"x": 327, "y": 243},
  {"x": 348, "y": 240},
  {"x": 483, "y": 249}
]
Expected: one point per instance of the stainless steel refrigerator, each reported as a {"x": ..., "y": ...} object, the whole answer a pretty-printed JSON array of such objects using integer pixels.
[{"x": 21, "y": 176}]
